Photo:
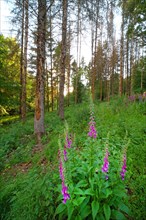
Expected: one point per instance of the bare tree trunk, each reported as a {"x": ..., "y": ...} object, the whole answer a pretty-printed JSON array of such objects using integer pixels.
[
  {"x": 39, "y": 128},
  {"x": 23, "y": 70},
  {"x": 121, "y": 57},
  {"x": 127, "y": 67},
  {"x": 63, "y": 59},
  {"x": 22, "y": 78},
  {"x": 47, "y": 89},
  {"x": 142, "y": 74},
  {"x": 25, "y": 53},
  {"x": 51, "y": 62},
  {"x": 131, "y": 66},
  {"x": 94, "y": 48},
  {"x": 68, "y": 69},
  {"x": 78, "y": 52},
  {"x": 68, "y": 85},
  {"x": 93, "y": 57}
]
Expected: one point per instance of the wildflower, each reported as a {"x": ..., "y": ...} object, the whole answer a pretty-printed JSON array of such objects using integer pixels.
[
  {"x": 65, "y": 194},
  {"x": 65, "y": 153},
  {"x": 106, "y": 163},
  {"x": 61, "y": 170},
  {"x": 123, "y": 171},
  {"x": 68, "y": 141},
  {"x": 92, "y": 130},
  {"x": 64, "y": 190}
]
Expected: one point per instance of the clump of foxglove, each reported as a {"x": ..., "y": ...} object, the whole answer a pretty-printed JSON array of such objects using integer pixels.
[
  {"x": 123, "y": 170},
  {"x": 105, "y": 166},
  {"x": 65, "y": 153},
  {"x": 92, "y": 129},
  {"x": 68, "y": 141},
  {"x": 64, "y": 190},
  {"x": 68, "y": 144},
  {"x": 65, "y": 193}
]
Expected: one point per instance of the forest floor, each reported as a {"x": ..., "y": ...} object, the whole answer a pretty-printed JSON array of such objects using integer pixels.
[{"x": 29, "y": 174}]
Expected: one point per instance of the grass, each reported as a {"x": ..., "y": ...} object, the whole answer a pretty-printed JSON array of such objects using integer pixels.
[{"x": 29, "y": 175}]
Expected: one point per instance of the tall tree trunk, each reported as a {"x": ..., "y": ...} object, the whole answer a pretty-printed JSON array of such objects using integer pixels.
[
  {"x": 23, "y": 72},
  {"x": 92, "y": 54},
  {"x": 78, "y": 52},
  {"x": 131, "y": 66},
  {"x": 112, "y": 42},
  {"x": 142, "y": 74},
  {"x": 121, "y": 56},
  {"x": 40, "y": 85},
  {"x": 25, "y": 53},
  {"x": 63, "y": 58},
  {"x": 69, "y": 67},
  {"x": 51, "y": 61},
  {"x": 22, "y": 78},
  {"x": 127, "y": 67},
  {"x": 47, "y": 89},
  {"x": 94, "y": 69},
  {"x": 68, "y": 84}
]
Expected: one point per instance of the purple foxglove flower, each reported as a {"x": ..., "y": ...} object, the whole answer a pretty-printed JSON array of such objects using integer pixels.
[
  {"x": 65, "y": 154},
  {"x": 64, "y": 190},
  {"x": 106, "y": 164},
  {"x": 61, "y": 170},
  {"x": 65, "y": 193},
  {"x": 92, "y": 131},
  {"x": 68, "y": 141},
  {"x": 123, "y": 171}
]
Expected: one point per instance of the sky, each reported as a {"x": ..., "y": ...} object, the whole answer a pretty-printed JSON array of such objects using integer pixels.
[{"x": 5, "y": 16}]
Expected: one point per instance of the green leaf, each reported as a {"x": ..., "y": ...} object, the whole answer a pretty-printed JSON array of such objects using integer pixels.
[
  {"x": 84, "y": 204},
  {"x": 118, "y": 192},
  {"x": 70, "y": 209},
  {"x": 89, "y": 192},
  {"x": 95, "y": 208},
  {"x": 78, "y": 200},
  {"x": 118, "y": 215},
  {"x": 108, "y": 192},
  {"x": 82, "y": 183},
  {"x": 124, "y": 208},
  {"x": 101, "y": 217},
  {"x": 78, "y": 191},
  {"x": 91, "y": 181},
  {"x": 86, "y": 212},
  {"x": 60, "y": 208},
  {"x": 107, "y": 211},
  {"x": 78, "y": 217}
]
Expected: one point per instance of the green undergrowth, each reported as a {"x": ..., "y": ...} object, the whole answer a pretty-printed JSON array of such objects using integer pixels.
[{"x": 29, "y": 174}]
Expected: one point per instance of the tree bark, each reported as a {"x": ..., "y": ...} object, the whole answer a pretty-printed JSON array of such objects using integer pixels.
[
  {"x": 23, "y": 70},
  {"x": 68, "y": 67},
  {"x": 131, "y": 66},
  {"x": 63, "y": 59},
  {"x": 121, "y": 56},
  {"x": 39, "y": 128},
  {"x": 51, "y": 62},
  {"x": 22, "y": 78},
  {"x": 127, "y": 67}
]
